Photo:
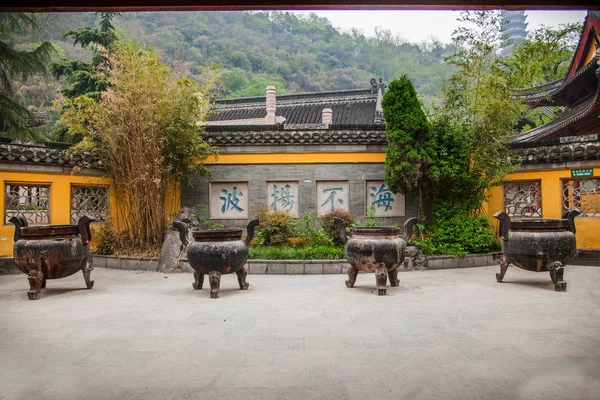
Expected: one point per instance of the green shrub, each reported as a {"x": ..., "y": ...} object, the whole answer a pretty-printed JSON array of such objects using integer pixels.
[
  {"x": 305, "y": 227},
  {"x": 289, "y": 252},
  {"x": 459, "y": 235},
  {"x": 275, "y": 227},
  {"x": 330, "y": 229},
  {"x": 107, "y": 239}
]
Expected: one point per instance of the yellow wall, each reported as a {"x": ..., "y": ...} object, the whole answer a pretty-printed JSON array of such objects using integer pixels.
[
  {"x": 59, "y": 204},
  {"x": 591, "y": 51},
  {"x": 299, "y": 158},
  {"x": 588, "y": 229}
]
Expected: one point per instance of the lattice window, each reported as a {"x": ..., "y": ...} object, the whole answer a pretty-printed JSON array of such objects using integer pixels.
[
  {"x": 28, "y": 201},
  {"x": 583, "y": 195},
  {"x": 523, "y": 199},
  {"x": 89, "y": 200}
]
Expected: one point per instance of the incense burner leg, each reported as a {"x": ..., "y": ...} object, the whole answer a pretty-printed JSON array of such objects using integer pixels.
[
  {"x": 44, "y": 283},
  {"x": 352, "y": 273},
  {"x": 503, "y": 267},
  {"x": 381, "y": 276},
  {"x": 557, "y": 271},
  {"x": 87, "y": 271},
  {"x": 241, "y": 276},
  {"x": 198, "y": 280},
  {"x": 35, "y": 278},
  {"x": 393, "y": 275},
  {"x": 214, "y": 278}
]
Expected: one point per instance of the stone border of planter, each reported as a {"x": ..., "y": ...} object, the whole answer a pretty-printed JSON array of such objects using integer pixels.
[
  {"x": 308, "y": 267},
  {"x": 128, "y": 263}
]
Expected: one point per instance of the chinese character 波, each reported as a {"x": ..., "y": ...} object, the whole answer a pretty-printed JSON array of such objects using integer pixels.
[
  {"x": 382, "y": 197},
  {"x": 331, "y": 199},
  {"x": 283, "y": 196},
  {"x": 230, "y": 200}
]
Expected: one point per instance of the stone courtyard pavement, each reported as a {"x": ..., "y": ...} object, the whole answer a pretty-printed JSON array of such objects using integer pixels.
[{"x": 451, "y": 334}]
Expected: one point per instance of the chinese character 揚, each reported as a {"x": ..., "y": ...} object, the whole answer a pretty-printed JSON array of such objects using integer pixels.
[{"x": 282, "y": 196}]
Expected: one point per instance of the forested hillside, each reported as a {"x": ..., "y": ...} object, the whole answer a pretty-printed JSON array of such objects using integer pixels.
[{"x": 255, "y": 49}]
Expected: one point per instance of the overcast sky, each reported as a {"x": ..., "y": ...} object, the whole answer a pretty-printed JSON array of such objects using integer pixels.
[{"x": 416, "y": 26}]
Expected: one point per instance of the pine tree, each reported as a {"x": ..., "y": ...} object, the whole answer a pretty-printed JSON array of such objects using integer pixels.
[
  {"x": 14, "y": 63},
  {"x": 81, "y": 76},
  {"x": 410, "y": 152}
]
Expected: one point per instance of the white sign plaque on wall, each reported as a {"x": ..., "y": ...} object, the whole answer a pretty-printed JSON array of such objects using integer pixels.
[
  {"x": 229, "y": 200},
  {"x": 383, "y": 201},
  {"x": 283, "y": 196},
  {"x": 332, "y": 195}
]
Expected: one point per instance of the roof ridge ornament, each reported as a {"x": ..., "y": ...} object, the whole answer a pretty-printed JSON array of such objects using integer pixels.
[{"x": 380, "y": 88}]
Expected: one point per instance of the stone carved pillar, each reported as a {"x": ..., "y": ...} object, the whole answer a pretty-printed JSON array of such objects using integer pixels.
[
  {"x": 327, "y": 116},
  {"x": 271, "y": 105}
]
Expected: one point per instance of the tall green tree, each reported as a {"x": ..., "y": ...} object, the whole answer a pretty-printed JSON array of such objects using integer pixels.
[
  {"x": 15, "y": 63},
  {"x": 80, "y": 76},
  {"x": 480, "y": 106},
  {"x": 410, "y": 149}
]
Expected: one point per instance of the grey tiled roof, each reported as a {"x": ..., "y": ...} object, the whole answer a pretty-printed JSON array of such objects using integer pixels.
[
  {"x": 52, "y": 154},
  {"x": 234, "y": 136},
  {"x": 553, "y": 152},
  {"x": 587, "y": 109},
  {"x": 350, "y": 107}
]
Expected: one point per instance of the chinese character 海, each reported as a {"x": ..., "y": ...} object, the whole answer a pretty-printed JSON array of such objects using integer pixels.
[
  {"x": 331, "y": 199},
  {"x": 381, "y": 197},
  {"x": 283, "y": 196},
  {"x": 230, "y": 200}
]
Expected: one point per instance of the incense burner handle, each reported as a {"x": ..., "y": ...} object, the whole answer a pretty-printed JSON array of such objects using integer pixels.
[
  {"x": 250, "y": 231},
  {"x": 408, "y": 227},
  {"x": 18, "y": 222},
  {"x": 504, "y": 223},
  {"x": 84, "y": 229},
  {"x": 183, "y": 231},
  {"x": 570, "y": 215},
  {"x": 341, "y": 226}
]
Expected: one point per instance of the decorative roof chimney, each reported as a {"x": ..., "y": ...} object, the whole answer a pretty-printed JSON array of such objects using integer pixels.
[
  {"x": 271, "y": 105},
  {"x": 327, "y": 116}
]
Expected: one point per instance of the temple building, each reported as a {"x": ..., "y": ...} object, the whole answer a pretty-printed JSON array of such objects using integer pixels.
[
  {"x": 299, "y": 153},
  {"x": 318, "y": 152},
  {"x": 514, "y": 29},
  {"x": 561, "y": 159}
]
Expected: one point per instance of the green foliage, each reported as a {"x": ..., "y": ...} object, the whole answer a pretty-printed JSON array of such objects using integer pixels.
[
  {"x": 471, "y": 129},
  {"x": 288, "y": 252},
  {"x": 206, "y": 222},
  {"x": 330, "y": 229},
  {"x": 275, "y": 227},
  {"x": 21, "y": 64},
  {"x": 410, "y": 149},
  {"x": 371, "y": 220},
  {"x": 459, "y": 235},
  {"x": 258, "y": 85},
  {"x": 144, "y": 129},
  {"x": 305, "y": 228},
  {"x": 543, "y": 57},
  {"x": 107, "y": 239},
  {"x": 81, "y": 76}
]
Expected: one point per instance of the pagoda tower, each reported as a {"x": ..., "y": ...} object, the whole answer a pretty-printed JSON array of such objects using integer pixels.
[{"x": 514, "y": 29}]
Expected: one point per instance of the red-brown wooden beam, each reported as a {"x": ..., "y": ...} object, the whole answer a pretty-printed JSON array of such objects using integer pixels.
[{"x": 189, "y": 5}]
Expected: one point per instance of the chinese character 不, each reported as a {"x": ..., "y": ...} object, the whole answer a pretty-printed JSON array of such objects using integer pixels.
[
  {"x": 382, "y": 197},
  {"x": 282, "y": 196},
  {"x": 230, "y": 200},
  {"x": 331, "y": 198}
]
